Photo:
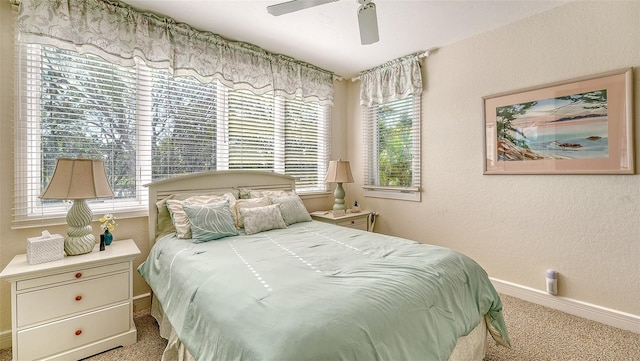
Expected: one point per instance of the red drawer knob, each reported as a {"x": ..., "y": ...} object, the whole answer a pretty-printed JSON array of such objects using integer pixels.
[
  {"x": 78, "y": 332},
  {"x": 78, "y": 275},
  {"x": 78, "y": 298}
]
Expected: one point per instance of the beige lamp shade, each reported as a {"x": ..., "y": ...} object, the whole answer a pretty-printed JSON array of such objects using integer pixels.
[
  {"x": 78, "y": 179},
  {"x": 339, "y": 172}
]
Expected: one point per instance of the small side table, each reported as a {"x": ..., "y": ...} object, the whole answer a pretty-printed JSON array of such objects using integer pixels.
[
  {"x": 359, "y": 220},
  {"x": 75, "y": 307}
]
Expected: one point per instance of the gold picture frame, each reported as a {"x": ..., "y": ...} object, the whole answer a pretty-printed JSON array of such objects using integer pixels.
[{"x": 580, "y": 126}]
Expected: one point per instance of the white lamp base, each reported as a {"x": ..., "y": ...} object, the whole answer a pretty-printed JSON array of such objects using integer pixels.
[{"x": 80, "y": 240}]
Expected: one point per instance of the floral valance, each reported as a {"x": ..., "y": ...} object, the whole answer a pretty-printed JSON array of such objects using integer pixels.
[
  {"x": 120, "y": 34},
  {"x": 390, "y": 81}
]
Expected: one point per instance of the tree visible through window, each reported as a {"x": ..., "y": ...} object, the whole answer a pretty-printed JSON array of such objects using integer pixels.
[
  {"x": 85, "y": 110},
  {"x": 395, "y": 122},
  {"x": 392, "y": 140},
  {"x": 184, "y": 135}
]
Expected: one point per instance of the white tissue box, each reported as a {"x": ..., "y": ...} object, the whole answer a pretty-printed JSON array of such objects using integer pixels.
[{"x": 46, "y": 248}]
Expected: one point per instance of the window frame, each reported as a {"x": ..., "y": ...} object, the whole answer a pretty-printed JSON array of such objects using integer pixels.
[{"x": 29, "y": 210}]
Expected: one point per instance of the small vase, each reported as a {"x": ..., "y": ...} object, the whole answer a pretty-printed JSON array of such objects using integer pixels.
[{"x": 108, "y": 237}]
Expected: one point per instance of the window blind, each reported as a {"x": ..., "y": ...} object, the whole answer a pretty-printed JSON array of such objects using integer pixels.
[
  {"x": 392, "y": 148},
  {"x": 307, "y": 139},
  {"x": 283, "y": 135},
  {"x": 251, "y": 130},
  {"x": 184, "y": 122}
]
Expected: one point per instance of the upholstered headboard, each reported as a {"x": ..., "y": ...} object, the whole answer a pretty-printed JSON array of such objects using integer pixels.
[{"x": 219, "y": 181}]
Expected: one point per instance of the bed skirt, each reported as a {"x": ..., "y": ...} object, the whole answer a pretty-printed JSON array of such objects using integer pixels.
[{"x": 471, "y": 347}]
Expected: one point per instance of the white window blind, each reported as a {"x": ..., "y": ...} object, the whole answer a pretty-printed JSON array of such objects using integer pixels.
[
  {"x": 148, "y": 125},
  {"x": 392, "y": 149},
  {"x": 251, "y": 130},
  {"x": 306, "y": 143},
  {"x": 184, "y": 125},
  {"x": 272, "y": 133}
]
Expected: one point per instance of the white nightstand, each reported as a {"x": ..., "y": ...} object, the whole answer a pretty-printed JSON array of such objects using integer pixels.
[
  {"x": 75, "y": 307},
  {"x": 359, "y": 220}
]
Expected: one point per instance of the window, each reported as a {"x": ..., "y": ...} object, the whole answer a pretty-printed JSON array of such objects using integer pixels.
[
  {"x": 392, "y": 149},
  {"x": 183, "y": 123},
  {"x": 148, "y": 125}
]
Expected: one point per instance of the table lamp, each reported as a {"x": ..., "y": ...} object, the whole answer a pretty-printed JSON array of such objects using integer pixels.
[
  {"x": 339, "y": 172},
  {"x": 77, "y": 180}
]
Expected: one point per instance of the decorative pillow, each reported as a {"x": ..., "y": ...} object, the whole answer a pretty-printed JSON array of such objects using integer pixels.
[
  {"x": 243, "y": 193},
  {"x": 292, "y": 209},
  {"x": 164, "y": 221},
  {"x": 248, "y": 203},
  {"x": 179, "y": 217},
  {"x": 269, "y": 193},
  {"x": 210, "y": 221},
  {"x": 234, "y": 192},
  {"x": 164, "y": 224},
  {"x": 259, "y": 219}
]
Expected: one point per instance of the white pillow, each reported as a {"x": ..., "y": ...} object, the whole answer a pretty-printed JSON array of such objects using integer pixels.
[
  {"x": 292, "y": 209},
  {"x": 260, "y": 219},
  {"x": 248, "y": 203}
]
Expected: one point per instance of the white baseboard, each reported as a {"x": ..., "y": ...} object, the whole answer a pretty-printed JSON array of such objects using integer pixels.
[
  {"x": 607, "y": 316},
  {"x": 5, "y": 339},
  {"x": 141, "y": 302}
]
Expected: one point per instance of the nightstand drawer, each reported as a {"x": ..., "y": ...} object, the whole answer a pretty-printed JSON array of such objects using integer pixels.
[
  {"x": 360, "y": 223},
  {"x": 49, "y": 303},
  {"x": 75, "y": 275},
  {"x": 56, "y": 337}
]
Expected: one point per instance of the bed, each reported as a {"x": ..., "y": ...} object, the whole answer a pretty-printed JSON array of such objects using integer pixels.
[{"x": 257, "y": 279}]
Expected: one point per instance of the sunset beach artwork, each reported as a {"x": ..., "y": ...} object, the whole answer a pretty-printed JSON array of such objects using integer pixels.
[
  {"x": 578, "y": 126},
  {"x": 567, "y": 127}
]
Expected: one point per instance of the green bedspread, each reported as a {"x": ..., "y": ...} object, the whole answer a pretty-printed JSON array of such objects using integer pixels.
[{"x": 316, "y": 291}]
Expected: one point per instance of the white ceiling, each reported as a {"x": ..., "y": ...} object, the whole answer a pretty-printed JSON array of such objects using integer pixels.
[{"x": 328, "y": 36}]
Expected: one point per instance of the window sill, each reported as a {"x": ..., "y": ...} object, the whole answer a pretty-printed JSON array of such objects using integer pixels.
[
  {"x": 59, "y": 221},
  {"x": 314, "y": 195},
  {"x": 398, "y": 194}
]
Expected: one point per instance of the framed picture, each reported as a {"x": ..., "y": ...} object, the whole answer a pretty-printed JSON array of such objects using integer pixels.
[{"x": 581, "y": 126}]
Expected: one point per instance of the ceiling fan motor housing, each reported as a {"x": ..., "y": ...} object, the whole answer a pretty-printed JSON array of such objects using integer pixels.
[{"x": 367, "y": 20}]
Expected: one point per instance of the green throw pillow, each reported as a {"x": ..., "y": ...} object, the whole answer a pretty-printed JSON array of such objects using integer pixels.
[{"x": 210, "y": 221}]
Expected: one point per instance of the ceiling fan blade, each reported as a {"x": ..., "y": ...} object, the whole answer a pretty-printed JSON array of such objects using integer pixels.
[
  {"x": 368, "y": 23},
  {"x": 294, "y": 5}
]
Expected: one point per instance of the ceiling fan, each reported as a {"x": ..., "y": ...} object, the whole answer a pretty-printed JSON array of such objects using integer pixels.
[{"x": 367, "y": 19}]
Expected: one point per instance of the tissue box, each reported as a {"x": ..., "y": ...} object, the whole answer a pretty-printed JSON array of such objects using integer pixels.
[{"x": 46, "y": 248}]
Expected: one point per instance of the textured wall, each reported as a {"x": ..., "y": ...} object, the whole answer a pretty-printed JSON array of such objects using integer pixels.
[{"x": 516, "y": 226}]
